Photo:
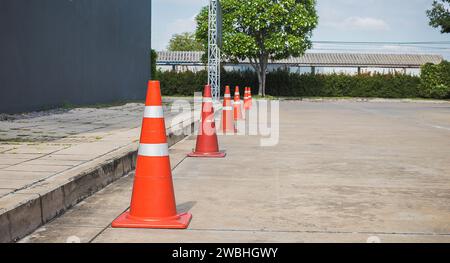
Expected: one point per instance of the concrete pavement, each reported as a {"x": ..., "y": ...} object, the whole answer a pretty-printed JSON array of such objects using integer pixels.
[
  {"x": 342, "y": 172},
  {"x": 50, "y": 162},
  {"x": 35, "y": 148}
]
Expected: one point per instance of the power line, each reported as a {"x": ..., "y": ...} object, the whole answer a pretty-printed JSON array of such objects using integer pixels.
[
  {"x": 377, "y": 50},
  {"x": 409, "y": 47},
  {"x": 383, "y": 43}
]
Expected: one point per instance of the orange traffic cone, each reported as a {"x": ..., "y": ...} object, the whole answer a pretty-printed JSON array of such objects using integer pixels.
[
  {"x": 207, "y": 142},
  {"x": 247, "y": 99},
  {"x": 237, "y": 105},
  {"x": 153, "y": 201},
  {"x": 227, "y": 113},
  {"x": 250, "y": 97}
]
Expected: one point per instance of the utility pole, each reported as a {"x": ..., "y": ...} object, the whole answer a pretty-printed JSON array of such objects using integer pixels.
[{"x": 214, "y": 39}]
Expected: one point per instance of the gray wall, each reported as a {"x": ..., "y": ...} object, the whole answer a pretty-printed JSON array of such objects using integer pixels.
[{"x": 54, "y": 52}]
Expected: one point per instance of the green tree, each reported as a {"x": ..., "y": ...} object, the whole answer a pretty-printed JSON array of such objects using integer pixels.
[
  {"x": 260, "y": 30},
  {"x": 184, "y": 42},
  {"x": 439, "y": 15}
]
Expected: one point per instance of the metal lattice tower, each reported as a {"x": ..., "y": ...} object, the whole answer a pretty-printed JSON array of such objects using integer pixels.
[{"x": 213, "y": 49}]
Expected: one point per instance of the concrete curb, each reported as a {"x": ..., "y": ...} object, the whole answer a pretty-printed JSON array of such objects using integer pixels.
[
  {"x": 28, "y": 209},
  {"x": 375, "y": 100}
]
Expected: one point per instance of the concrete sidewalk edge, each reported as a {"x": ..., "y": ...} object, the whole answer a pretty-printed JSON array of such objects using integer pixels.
[{"x": 49, "y": 199}]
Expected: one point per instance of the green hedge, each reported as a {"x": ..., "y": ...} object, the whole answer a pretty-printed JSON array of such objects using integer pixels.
[
  {"x": 340, "y": 85},
  {"x": 183, "y": 84},
  {"x": 435, "y": 80},
  {"x": 285, "y": 84},
  {"x": 153, "y": 58}
]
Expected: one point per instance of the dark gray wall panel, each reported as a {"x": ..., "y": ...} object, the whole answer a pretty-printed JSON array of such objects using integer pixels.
[{"x": 72, "y": 51}]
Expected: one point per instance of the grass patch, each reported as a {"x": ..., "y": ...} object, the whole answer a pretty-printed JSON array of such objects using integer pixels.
[
  {"x": 14, "y": 141},
  {"x": 267, "y": 97},
  {"x": 70, "y": 106},
  {"x": 342, "y": 98}
]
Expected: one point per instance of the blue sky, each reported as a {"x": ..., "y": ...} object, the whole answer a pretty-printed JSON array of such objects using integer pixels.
[{"x": 340, "y": 20}]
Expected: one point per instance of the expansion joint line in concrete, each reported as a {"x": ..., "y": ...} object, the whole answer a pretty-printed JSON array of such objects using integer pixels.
[
  {"x": 104, "y": 228},
  {"x": 321, "y": 232},
  {"x": 34, "y": 183},
  {"x": 56, "y": 174},
  {"x": 109, "y": 225}
]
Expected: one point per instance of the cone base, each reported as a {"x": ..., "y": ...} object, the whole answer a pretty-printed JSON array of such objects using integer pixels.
[
  {"x": 180, "y": 222},
  {"x": 207, "y": 155}
]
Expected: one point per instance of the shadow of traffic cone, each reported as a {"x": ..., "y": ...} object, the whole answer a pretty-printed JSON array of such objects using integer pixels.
[
  {"x": 227, "y": 114},
  {"x": 207, "y": 142},
  {"x": 237, "y": 105},
  {"x": 153, "y": 200}
]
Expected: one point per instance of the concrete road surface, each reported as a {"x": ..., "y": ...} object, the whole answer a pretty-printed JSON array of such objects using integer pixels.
[{"x": 342, "y": 172}]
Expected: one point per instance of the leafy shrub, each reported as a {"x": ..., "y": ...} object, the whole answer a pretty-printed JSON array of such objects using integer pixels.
[
  {"x": 435, "y": 80},
  {"x": 153, "y": 58},
  {"x": 285, "y": 84},
  {"x": 181, "y": 84}
]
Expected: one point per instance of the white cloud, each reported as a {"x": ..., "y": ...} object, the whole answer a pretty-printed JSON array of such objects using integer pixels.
[
  {"x": 366, "y": 23},
  {"x": 360, "y": 23},
  {"x": 403, "y": 49}
]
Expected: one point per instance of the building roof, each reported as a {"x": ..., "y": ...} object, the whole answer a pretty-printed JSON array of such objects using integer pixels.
[
  {"x": 361, "y": 59},
  {"x": 318, "y": 59},
  {"x": 180, "y": 57}
]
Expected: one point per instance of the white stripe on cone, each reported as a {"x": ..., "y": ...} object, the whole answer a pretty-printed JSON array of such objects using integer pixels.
[
  {"x": 227, "y": 108},
  {"x": 154, "y": 112},
  {"x": 207, "y": 100},
  {"x": 154, "y": 150}
]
